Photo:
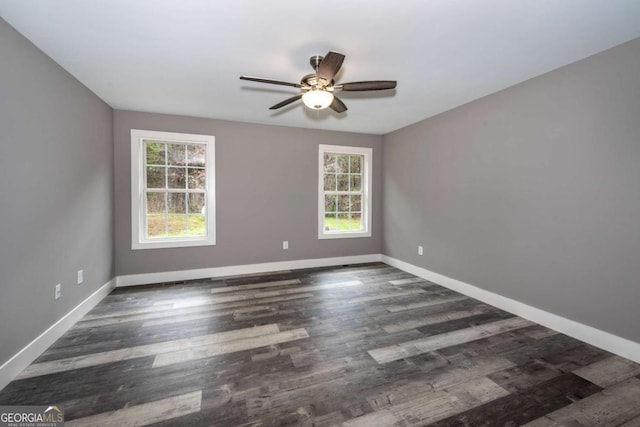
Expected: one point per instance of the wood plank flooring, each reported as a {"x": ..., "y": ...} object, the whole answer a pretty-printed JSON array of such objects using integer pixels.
[{"x": 361, "y": 345}]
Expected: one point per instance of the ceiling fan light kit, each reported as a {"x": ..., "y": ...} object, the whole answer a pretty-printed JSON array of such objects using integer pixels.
[
  {"x": 317, "y": 89},
  {"x": 317, "y": 99}
]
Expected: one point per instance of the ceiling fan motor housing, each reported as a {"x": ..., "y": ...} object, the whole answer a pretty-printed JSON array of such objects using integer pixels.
[{"x": 312, "y": 81}]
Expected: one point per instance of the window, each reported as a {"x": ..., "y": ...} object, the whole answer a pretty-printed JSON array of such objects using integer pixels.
[
  {"x": 172, "y": 189},
  {"x": 344, "y": 202}
]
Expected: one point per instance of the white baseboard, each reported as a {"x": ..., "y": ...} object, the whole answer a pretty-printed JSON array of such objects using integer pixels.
[
  {"x": 12, "y": 367},
  {"x": 605, "y": 340},
  {"x": 596, "y": 337},
  {"x": 203, "y": 273}
]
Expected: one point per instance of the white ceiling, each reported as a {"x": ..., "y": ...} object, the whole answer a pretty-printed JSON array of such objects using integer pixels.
[{"x": 185, "y": 56}]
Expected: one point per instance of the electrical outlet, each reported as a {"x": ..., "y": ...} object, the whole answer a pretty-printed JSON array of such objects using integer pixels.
[
  {"x": 80, "y": 277},
  {"x": 420, "y": 251},
  {"x": 285, "y": 244},
  {"x": 58, "y": 291}
]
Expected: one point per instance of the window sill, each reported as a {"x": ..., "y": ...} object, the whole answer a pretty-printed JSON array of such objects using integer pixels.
[
  {"x": 344, "y": 235},
  {"x": 173, "y": 243}
]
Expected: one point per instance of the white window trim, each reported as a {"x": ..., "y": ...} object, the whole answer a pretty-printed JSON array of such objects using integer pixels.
[
  {"x": 366, "y": 190},
  {"x": 138, "y": 238}
]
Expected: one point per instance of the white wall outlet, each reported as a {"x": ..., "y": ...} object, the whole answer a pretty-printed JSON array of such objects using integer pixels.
[
  {"x": 420, "y": 250},
  {"x": 285, "y": 244},
  {"x": 80, "y": 277},
  {"x": 58, "y": 291}
]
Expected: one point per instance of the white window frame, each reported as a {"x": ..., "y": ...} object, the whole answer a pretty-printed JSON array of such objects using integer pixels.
[
  {"x": 367, "y": 175},
  {"x": 138, "y": 183}
]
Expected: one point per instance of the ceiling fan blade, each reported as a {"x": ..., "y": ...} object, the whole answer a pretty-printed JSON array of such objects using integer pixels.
[
  {"x": 330, "y": 65},
  {"x": 337, "y": 105},
  {"x": 370, "y": 85},
  {"x": 274, "y": 82},
  {"x": 285, "y": 102}
]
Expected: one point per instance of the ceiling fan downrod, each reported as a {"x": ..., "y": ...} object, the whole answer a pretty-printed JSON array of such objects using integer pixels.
[{"x": 315, "y": 62}]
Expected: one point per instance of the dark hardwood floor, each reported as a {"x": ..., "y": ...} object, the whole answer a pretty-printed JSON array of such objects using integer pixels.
[{"x": 363, "y": 345}]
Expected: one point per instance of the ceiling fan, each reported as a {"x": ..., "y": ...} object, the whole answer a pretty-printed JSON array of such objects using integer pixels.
[{"x": 317, "y": 89}]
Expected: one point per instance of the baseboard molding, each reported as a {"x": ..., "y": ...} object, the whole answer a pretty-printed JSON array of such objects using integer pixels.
[
  {"x": 596, "y": 337},
  {"x": 605, "y": 340},
  {"x": 12, "y": 367},
  {"x": 203, "y": 273}
]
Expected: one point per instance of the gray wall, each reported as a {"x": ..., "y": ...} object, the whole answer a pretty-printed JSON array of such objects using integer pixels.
[
  {"x": 56, "y": 191},
  {"x": 532, "y": 193},
  {"x": 266, "y": 188}
]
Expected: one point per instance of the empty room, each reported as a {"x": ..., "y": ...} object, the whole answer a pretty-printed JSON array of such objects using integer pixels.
[{"x": 349, "y": 213}]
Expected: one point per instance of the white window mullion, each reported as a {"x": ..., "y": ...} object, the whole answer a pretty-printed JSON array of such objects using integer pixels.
[
  {"x": 166, "y": 187},
  {"x": 166, "y": 213}
]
